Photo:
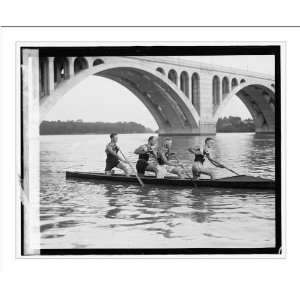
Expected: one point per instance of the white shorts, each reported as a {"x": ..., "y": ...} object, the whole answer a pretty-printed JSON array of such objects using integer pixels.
[{"x": 163, "y": 170}]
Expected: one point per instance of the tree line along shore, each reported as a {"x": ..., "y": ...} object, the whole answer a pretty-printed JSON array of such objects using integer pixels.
[
  {"x": 235, "y": 124},
  {"x": 227, "y": 124},
  {"x": 80, "y": 127}
]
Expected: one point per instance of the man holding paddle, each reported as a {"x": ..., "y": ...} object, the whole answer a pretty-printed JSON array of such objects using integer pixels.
[
  {"x": 145, "y": 152},
  {"x": 165, "y": 165},
  {"x": 113, "y": 160},
  {"x": 202, "y": 158}
]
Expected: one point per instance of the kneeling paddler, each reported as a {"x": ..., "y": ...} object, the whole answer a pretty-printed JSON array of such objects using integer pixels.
[
  {"x": 113, "y": 160},
  {"x": 145, "y": 152}
]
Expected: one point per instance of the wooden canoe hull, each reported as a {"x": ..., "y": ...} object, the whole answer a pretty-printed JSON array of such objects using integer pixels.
[{"x": 239, "y": 182}]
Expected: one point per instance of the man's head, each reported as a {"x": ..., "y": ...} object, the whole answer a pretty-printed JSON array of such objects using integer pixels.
[
  {"x": 152, "y": 140},
  {"x": 114, "y": 137},
  {"x": 168, "y": 143},
  {"x": 209, "y": 142}
]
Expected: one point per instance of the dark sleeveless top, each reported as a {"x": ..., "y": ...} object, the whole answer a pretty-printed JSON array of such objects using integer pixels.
[
  {"x": 110, "y": 157},
  {"x": 160, "y": 159},
  {"x": 201, "y": 156},
  {"x": 146, "y": 155}
]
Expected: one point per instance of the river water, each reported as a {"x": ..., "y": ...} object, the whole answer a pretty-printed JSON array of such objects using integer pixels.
[{"x": 79, "y": 214}]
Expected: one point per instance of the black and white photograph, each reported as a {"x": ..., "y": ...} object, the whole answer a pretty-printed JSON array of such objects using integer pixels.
[{"x": 134, "y": 149}]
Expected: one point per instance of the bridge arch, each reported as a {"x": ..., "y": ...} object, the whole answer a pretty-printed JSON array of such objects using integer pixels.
[
  {"x": 172, "y": 75},
  {"x": 195, "y": 90},
  {"x": 259, "y": 100},
  {"x": 44, "y": 71},
  {"x": 80, "y": 63},
  {"x": 234, "y": 83},
  {"x": 161, "y": 70},
  {"x": 61, "y": 69},
  {"x": 168, "y": 105},
  {"x": 98, "y": 61},
  {"x": 225, "y": 86},
  {"x": 216, "y": 91},
  {"x": 184, "y": 83}
]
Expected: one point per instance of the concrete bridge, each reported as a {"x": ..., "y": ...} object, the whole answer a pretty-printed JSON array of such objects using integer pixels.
[{"x": 184, "y": 97}]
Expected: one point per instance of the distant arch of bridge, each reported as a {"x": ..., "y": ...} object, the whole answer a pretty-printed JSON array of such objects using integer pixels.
[
  {"x": 259, "y": 100},
  {"x": 184, "y": 97}
]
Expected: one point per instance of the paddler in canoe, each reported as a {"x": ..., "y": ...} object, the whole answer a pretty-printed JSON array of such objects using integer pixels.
[
  {"x": 113, "y": 159},
  {"x": 165, "y": 165},
  {"x": 145, "y": 152},
  {"x": 203, "y": 161}
]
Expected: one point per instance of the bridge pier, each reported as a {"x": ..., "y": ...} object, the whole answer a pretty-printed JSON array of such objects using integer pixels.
[
  {"x": 265, "y": 129},
  {"x": 206, "y": 128}
]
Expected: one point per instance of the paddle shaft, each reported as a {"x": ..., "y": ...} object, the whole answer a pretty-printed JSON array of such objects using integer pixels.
[
  {"x": 133, "y": 169},
  {"x": 232, "y": 171},
  {"x": 225, "y": 167}
]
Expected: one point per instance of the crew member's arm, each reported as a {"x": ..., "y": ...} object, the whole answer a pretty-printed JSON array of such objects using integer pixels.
[
  {"x": 194, "y": 150},
  {"x": 166, "y": 161},
  {"x": 140, "y": 150},
  {"x": 111, "y": 151}
]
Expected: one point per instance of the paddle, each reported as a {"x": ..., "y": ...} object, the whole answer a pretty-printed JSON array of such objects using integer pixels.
[
  {"x": 133, "y": 169},
  {"x": 222, "y": 166}
]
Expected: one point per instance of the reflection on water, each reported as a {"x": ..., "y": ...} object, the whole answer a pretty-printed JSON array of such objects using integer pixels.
[{"x": 82, "y": 214}]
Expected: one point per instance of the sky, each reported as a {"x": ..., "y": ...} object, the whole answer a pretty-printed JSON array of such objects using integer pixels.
[{"x": 100, "y": 99}]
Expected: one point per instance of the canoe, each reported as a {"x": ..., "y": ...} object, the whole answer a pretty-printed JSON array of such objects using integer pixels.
[{"x": 234, "y": 182}]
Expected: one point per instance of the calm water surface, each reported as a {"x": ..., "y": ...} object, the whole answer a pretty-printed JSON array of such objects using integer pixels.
[{"x": 79, "y": 214}]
